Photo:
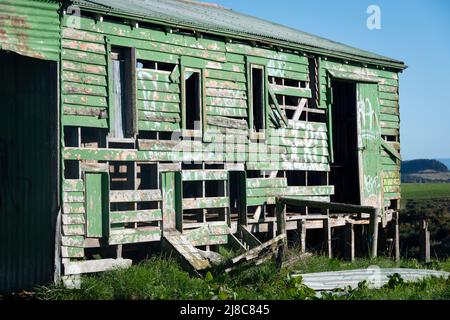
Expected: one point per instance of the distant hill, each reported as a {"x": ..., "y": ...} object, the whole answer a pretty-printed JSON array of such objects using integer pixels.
[
  {"x": 421, "y": 165},
  {"x": 445, "y": 161},
  {"x": 423, "y": 171}
]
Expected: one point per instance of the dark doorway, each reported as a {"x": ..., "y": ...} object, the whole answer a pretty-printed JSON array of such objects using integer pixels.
[
  {"x": 28, "y": 171},
  {"x": 124, "y": 88},
  {"x": 344, "y": 170}
]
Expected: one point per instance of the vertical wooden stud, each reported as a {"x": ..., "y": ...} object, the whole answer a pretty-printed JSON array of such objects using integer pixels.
[
  {"x": 327, "y": 237},
  {"x": 396, "y": 237},
  {"x": 373, "y": 232},
  {"x": 349, "y": 242},
  {"x": 281, "y": 217},
  {"x": 302, "y": 235}
]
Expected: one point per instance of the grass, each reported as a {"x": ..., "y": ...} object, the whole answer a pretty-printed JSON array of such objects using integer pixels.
[
  {"x": 420, "y": 191},
  {"x": 162, "y": 278}
]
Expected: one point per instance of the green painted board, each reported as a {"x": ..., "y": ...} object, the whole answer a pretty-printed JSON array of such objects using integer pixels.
[
  {"x": 97, "y": 205},
  {"x": 168, "y": 192},
  {"x": 369, "y": 144}
]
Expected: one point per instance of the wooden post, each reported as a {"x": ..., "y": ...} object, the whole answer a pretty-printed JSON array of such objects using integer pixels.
[
  {"x": 302, "y": 235},
  {"x": 327, "y": 237},
  {"x": 396, "y": 237},
  {"x": 119, "y": 251},
  {"x": 281, "y": 217},
  {"x": 425, "y": 242},
  {"x": 349, "y": 242},
  {"x": 373, "y": 233}
]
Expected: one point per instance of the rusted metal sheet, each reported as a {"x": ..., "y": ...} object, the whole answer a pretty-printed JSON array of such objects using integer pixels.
[{"x": 30, "y": 28}]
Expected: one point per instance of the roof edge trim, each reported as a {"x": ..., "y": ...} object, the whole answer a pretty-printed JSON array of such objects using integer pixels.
[{"x": 100, "y": 9}]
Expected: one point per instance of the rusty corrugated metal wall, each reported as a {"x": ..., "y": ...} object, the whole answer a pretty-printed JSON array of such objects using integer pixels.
[
  {"x": 28, "y": 146},
  {"x": 28, "y": 178},
  {"x": 30, "y": 28}
]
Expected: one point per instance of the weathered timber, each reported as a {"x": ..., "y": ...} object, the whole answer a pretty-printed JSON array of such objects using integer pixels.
[
  {"x": 254, "y": 252},
  {"x": 135, "y": 196},
  {"x": 144, "y": 234},
  {"x": 349, "y": 208},
  {"x": 71, "y": 268},
  {"x": 248, "y": 238},
  {"x": 349, "y": 242},
  {"x": 179, "y": 244}
]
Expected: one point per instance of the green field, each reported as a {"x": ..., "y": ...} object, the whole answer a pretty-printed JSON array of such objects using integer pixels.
[{"x": 419, "y": 191}]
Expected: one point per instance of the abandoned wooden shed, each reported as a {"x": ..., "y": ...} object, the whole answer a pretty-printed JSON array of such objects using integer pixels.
[{"x": 126, "y": 123}]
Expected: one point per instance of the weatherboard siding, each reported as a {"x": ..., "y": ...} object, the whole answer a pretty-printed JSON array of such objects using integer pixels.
[
  {"x": 388, "y": 95},
  {"x": 86, "y": 100}
]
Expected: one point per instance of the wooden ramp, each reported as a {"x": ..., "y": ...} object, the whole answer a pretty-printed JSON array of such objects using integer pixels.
[
  {"x": 181, "y": 245},
  {"x": 375, "y": 277}
]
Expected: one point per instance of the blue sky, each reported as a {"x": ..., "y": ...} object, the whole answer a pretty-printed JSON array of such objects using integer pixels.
[{"x": 417, "y": 32}]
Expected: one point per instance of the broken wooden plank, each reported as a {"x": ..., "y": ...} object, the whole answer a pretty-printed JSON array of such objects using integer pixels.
[
  {"x": 179, "y": 244},
  {"x": 73, "y": 229},
  {"x": 145, "y": 234},
  {"x": 73, "y": 241},
  {"x": 204, "y": 175},
  {"x": 391, "y": 150},
  {"x": 206, "y": 203},
  {"x": 73, "y": 185},
  {"x": 135, "y": 196},
  {"x": 291, "y": 91},
  {"x": 248, "y": 238},
  {"x": 135, "y": 216},
  {"x": 254, "y": 252},
  {"x": 349, "y": 208},
  {"x": 94, "y": 167},
  {"x": 228, "y": 122},
  {"x": 255, "y": 183},
  {"x": 72, "y": 252},
  {"x": 92, "y": 266},
  {"x": 73, "y": 219}
]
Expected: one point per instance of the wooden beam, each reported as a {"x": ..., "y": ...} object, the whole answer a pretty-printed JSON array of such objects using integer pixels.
[
  {"x": 390, "y": 149},
  {"x": 373, "y": 233},
  {"x": 348, "y": 208},
  {"x": 248, "y": 237},
  {"x": 135, "y": 195},
  {"x": 327, "y": 237},
  {"x": 302, "y": 235},
  {"x": 299, "y": 110},
  {"x": 396, "y": 237},
  {"x": 206, "y": 203},
  {"x": 281, "y": 218},
  {"x": 277, "y": 106},
  {"x": 349, "y": 242}
]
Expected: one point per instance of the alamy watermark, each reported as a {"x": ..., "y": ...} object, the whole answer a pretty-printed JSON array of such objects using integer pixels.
[
  {"x": 73, "y": 17},
  {"x": 374, "y": 20}
]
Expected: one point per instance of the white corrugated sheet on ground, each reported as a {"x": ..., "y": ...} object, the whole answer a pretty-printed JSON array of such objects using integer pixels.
[{"x": 375, "y": 277}]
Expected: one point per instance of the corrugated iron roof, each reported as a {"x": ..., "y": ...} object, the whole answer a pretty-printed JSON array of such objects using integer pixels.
[{"x": 214, "y": 18}]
